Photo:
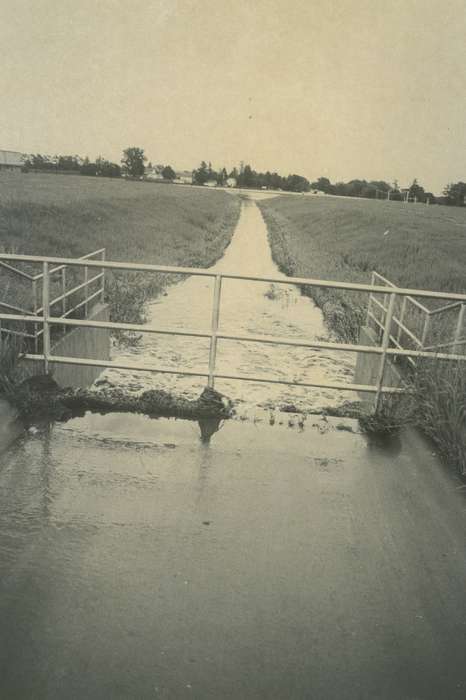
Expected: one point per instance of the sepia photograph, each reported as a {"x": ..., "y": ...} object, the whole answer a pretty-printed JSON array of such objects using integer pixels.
[{"x": 232, "y": 350}]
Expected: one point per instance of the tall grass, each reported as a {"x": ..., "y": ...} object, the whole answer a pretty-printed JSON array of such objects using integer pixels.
[
  {"x": 440, "y": 407},
  {"x": 343, "y": 239},
  {"x": 135, "y": 221},
  {"x": 11, "y": 349},
  {"x": 425, "y": 248}
]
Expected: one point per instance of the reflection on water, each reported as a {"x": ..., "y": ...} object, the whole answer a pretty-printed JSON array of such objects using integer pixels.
[{"x": 247, "y": 308}]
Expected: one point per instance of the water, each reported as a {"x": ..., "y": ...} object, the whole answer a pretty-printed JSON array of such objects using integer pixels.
[{"x": 247, "y": 308}]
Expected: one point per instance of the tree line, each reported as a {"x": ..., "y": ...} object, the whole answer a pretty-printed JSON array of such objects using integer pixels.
[
  {"x": 73, "y": 165},
  {"x": 245, "y": 176},
  {"x": 454, "y": 194},
  {"x": 133, "y": 165}
]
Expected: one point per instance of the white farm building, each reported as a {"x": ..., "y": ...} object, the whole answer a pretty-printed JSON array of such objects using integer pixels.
[{"x": 11, "y": 160}]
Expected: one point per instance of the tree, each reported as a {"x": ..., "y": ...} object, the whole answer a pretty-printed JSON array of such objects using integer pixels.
[
  {"x": 133, "y": 161},
  {"x": 417, "y": 192},
  {"x": 168, "y": 173},
  {"x": 107, "y": 169},
  {"x": 222, "y": 177},
  {"x": 455, "y": 193},
  {"x": 296, "y": 183},
  {"x": 88, "y": 168},
  {"x": 201, "y": 175},
  {"x": 323, "y": 184}
]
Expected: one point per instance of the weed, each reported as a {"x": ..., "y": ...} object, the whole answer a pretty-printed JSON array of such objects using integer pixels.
[
  {"x": 440, "y": 397},
  {"x": 11, "y": 349}
]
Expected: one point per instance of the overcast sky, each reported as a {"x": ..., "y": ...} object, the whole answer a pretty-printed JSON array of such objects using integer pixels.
[{"x": 341, "y": 88}]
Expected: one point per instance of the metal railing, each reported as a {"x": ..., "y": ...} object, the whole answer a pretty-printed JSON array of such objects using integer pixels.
[
  {"x": 421, "y": 317},
  {"x": 215, "y": 335},
  {"x": 37, "y": 305}
]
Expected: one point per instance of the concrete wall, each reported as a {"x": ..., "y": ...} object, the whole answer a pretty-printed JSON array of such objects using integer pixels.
[
  {"x": 93, "y": 343},
  {"x": 367, "y": 365}
]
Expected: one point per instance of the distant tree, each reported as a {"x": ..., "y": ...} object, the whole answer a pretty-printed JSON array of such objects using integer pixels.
[
  {"x": 222, "y": 177},
  {"x": 88, "y": 168},
  {"x": 68, "y": 163},
  {"x": 107, "y": 169},
  {"x": 417, "y": 192},
  {"x": 323, "y": 184},
  {"x": 296, "y": 183},
  {"x": 201, "y": 175},
  {"x": 133, "y": 161},
  {"x": 455, "y": 193},
  {"x": 168, "y": 173}
]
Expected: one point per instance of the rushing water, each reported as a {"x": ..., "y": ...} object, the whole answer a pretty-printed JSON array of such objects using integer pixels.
[{"x": 247, "y": 308}]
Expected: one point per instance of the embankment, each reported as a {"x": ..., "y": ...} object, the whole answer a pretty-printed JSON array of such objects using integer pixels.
[
  {"x": 134, "y": 221},
  {"x": 414, "y": 246},
  {"x": 345, "y": 239}
]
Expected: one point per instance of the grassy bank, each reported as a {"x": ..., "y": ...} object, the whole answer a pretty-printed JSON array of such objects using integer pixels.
[
  {"x": 134, "y": 221},
  {"x": 425, "y": 247},
  {"x": 343, "y": 239}
]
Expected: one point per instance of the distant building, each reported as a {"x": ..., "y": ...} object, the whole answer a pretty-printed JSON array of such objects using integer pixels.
[
  {"x": 184, "y": 177},
  {"x": 231, "y": 182},
  {"x": 11, "y": 160},
  {"x": 154, "y": 173},
  {"x": 210, "y": 183}
]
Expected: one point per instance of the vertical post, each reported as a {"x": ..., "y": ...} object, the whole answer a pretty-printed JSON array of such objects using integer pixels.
[
  {"x": 385, "y": 344},
  {"x": 369, "y": 307},
  {"x": 34, "y": 311},
  {"x": 46, "y": 314},
  {"x": 86, "y": 278},
  {"x": 459, "y": 327},
  {"x": 214, "y": 329},
  {"x": 425, "y": 330},
  {"x": 102, "y": 286},
  {"x": 402, "y": 318},
  {"x": 63, "y": 291}
]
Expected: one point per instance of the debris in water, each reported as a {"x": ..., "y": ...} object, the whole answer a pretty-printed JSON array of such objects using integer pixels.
[{"x": 342, "y": 426}]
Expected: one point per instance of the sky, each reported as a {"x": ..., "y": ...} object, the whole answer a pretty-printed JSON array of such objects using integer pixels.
[{"x": 372, "y": 89}]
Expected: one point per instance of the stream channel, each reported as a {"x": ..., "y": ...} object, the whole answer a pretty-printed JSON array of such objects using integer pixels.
[{"x": 247, "y": 308}]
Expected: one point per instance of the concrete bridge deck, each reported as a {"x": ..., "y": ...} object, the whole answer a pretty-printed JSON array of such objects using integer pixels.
[{"x": 277, "y": 562}]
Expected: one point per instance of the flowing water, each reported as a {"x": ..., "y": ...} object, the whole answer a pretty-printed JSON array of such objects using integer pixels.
[{"x": 247, "y": 308}]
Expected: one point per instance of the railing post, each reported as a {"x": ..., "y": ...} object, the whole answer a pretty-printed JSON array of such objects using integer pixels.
[
  {"x": 63, "y": 291},
  {"x": 214, "y": 329},
  {"x": 459, "y": 326},
  {"x": 34, "y": 311},
  {"x": 86, "y": 279},
  {"x": 46, "y": 314},
  {"x": 102, "y": 288},
  {"x": 402, "y": 318},
  {"x": 425, "y": 330},
  {"x": 385, "y": 344},
  {"x": 370, "y": 300}
]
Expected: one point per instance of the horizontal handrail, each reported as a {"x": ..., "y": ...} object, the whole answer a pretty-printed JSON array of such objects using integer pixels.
[
  {"x": 393, "y": 286},
  {"x": 345, "y": 347},
  {"x": 61, "y": 266},
  {"x": 21, "y": 273},
  {"x": 312, "y": 282},
  {"x": 448, "y": 307},
  {"x": 14, "y": 308},
  {"x": 88, "y": 362}
]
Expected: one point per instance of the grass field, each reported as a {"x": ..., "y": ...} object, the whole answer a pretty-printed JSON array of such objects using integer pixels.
[
  {"x": 343, "y": 239},
  {"x": 135, "y": 221},
  {"x": 72, "y": 215}
]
